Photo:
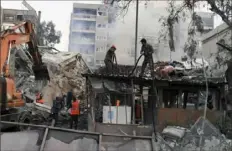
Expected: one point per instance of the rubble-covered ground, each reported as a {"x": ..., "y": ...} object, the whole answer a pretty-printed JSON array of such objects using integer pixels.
[
  {"x": 184, "y": 71},
  {"x": 201, "y": 136},
  {"x": 65, "y": 71},
  {"x": 64, "y": 68}
]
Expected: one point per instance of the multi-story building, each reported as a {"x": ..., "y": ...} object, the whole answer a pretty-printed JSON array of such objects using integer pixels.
[
  {"x": 11, "y": 17},
  {"x": 88, "y": 32}
]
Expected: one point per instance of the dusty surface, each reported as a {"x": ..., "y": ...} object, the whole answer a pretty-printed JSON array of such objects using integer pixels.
[
  {"x": 84, "y": 144},
  {"x": 65, "y": 71},
  {"x": 19, "y": 141}
]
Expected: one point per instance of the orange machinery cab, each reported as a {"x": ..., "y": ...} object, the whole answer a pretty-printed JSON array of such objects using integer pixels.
[{"x": 9, "y": 97}]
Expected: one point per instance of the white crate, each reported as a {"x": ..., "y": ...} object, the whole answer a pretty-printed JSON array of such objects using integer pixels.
[{"x": 117, "y": 114}]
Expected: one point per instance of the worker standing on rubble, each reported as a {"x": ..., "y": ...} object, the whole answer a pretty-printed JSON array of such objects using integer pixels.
[
  {"x": 109, "y": 59},
  {"x": 147, "y": 50},
  {"x": 75, "y": 112},
  {"x": 56, "y": 107},
  {"x": 69, "y": 97}
]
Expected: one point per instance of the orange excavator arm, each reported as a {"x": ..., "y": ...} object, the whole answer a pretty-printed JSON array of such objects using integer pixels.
[{"x": 21, "y": 34}]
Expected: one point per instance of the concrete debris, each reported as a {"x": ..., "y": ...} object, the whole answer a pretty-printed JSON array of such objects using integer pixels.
[
  {"x": 84, "y": 144},
  {"x": 206, "y": 139},
  {"x": 177, "y": 132},
  {"x": 65, "y": 69}
]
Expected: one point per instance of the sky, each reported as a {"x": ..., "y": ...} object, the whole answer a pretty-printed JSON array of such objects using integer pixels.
[
  {"x": 60, "y": 13},
  {"x": 57, "y": 11}
]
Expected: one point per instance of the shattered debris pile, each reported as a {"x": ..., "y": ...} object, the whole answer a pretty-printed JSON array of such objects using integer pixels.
[
  {"x": 183, "y": 71},
  {"x": 65, "y": 69},
  {"x": 202, "y": 136}
]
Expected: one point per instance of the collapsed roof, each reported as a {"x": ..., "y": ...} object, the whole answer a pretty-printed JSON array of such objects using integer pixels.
[{"x": 184, "y": 75}]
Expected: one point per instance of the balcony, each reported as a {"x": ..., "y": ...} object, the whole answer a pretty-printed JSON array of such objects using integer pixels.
[
  {"x": 83, "y": 26},
  {"x": 85, "y": 17},
  {"x": 83, "y": 31}
]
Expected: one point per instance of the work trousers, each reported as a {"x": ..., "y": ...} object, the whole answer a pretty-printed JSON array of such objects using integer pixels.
[
  {"x": 74, "y": 119},
  {"x": 147, "y": 61},
  {"x": 109, "y": 66},
  {"x": 55, "y": 117}
]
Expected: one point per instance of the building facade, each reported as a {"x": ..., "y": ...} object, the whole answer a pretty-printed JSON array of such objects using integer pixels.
[
  {"x": 210, "y": 48},
  {"x": 10, "y": 17},
  {"x": 89, "y": 32}
]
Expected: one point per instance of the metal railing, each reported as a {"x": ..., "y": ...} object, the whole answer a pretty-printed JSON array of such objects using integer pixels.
[{"x": 103, "y": 138}]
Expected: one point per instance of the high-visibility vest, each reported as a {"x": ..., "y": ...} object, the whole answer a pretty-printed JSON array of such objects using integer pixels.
[{"x": 75, "y": 108}]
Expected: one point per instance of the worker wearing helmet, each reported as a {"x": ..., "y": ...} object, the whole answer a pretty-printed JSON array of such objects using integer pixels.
[
  {"x": 147, "y": 50},
  {"x": 109, "y": 59}
]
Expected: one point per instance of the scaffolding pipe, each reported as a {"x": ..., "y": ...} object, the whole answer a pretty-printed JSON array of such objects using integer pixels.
[
  {"x": 125, "y": 107},
  {"x": 78, "y": 131},
  {"x": 45, "y": 136},
  {"x": 99, "y": 142},
  {"x": 142, "y": 111},
  {"x": 136, "y": 28},
  {"x": 133, "y": 102}
]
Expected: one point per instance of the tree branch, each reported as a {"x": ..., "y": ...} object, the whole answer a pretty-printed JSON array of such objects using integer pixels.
[{"x": 221, "y": 13}]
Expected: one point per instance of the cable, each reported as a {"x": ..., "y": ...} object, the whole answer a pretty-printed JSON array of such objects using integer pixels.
[
  {"x": 116, "y": 63},
  {"x": 136, "y": 64},
  {"x": 156, "y": 95}
]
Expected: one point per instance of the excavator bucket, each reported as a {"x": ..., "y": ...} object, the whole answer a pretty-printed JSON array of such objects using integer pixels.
[{"x": 41, "y": 72}]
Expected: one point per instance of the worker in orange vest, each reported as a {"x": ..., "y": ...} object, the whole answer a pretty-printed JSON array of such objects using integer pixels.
[{"x": 75, "y": 112}]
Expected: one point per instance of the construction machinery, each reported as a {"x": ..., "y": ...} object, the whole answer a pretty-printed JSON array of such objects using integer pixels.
[{"x": 23, "y": 33}]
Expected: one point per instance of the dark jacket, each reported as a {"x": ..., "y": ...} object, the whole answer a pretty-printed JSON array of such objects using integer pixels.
[
  {"x": 147, "y": 49},
  {"x": 110, "y": 55},
  {"x": 57, "y": 105},
  {"x": 69, "y": 99}
]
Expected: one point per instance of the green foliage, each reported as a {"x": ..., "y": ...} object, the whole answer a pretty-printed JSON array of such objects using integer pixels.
[{"x": 48, "y": 34}]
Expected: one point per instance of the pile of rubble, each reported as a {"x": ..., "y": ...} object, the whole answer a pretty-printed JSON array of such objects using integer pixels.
[
  {"x": 64, "y": 68},
  {"x": 182, "y": 68},
  {"x": 202, "y": 136},
  {"x": 65, "y": 71}
]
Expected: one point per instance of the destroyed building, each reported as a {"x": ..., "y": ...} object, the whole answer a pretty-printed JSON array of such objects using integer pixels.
[{"x": 177, "y": 101}]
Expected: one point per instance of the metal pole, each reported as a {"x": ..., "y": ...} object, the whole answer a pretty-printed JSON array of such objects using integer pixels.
[
  {"x": 45, "y": 136},
  {"x": 77, "y": 131},
  {"x": 133, "y": 102},
  {"x": 1, "y": 17},
  {"x": 1, "y": 22},
  {"x": 38, "y": 28},
  {"x": 136, "y": 28},
  {"x": 100, "y": 142}
]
